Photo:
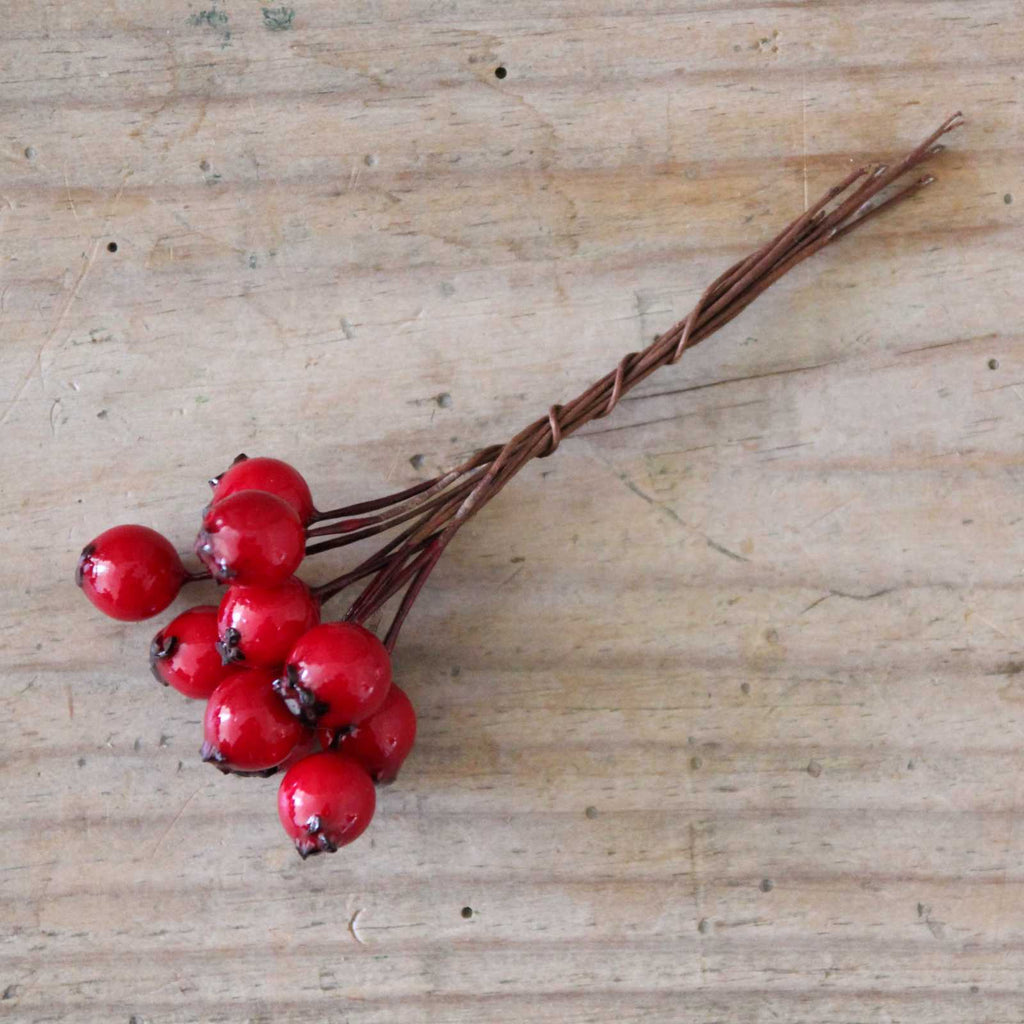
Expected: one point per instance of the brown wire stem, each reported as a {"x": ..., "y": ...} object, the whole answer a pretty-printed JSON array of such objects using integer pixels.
[{"x": 436, "y": 509}]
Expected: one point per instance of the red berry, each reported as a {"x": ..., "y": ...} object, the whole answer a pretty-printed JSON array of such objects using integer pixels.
[
  {"x": 130, "y": 572},
  {"x": 336, "y": 675},
  {"x": 184, "y": 653},
  {"x": 325, "y": 801},
  {"x": 247, "y": 729},
  {"x": 259, "y": 625},
  {"x": 383, "y": 741},
  {"x": 251, "y": 537},
  {"x": 270, "y": 475}
]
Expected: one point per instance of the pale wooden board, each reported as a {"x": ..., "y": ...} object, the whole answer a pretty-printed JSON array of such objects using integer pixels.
[{"x": 320, "y": 229}]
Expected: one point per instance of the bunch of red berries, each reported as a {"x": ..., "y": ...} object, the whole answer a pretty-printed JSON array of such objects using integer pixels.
[
  {"x": 278, "y": 681},
  {"x": 284, "y": 690}
]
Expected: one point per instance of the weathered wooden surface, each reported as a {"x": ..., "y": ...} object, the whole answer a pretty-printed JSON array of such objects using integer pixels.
[{"x": 721, "y": 712}]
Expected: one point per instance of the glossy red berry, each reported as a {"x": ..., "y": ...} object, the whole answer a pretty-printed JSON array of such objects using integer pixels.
[
  {"x": 270, "y": 475},
  {"x": 381, "y": 742},
  {"x": 247, "y": 729},
  {"x": 260, "y": 625},
  {"x": 336, "y": 675},
  {"x": 251, "y": 537},
  {"x": 184, "y": 653},
  {"x": 325, "y": 801},
  {"x": 130, "y": 572}
]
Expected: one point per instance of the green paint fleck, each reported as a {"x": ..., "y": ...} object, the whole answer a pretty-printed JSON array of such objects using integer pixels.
[
  {"x": 212, "y": 17},
  {"x": 201, "y": 399},
  {"x": 215, "y": 19},
  {"x": 278, "y": 19}
]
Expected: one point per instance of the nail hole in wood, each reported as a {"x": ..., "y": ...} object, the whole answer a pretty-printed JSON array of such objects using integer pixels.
[
  {"x": 500, "y": 71},
  {"x": 467, "y": 912},
  {"x": 993, "y": 364},
  {"x": 111, "y": 246}
]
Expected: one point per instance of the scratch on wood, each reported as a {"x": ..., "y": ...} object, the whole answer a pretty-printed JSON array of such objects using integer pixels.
[
  {"x": 67, "y": 188},
  {"x": 174, "y": 821},
  {"x": 674, "y": 516},
  {"x": 850, "y": 597},
  {"x": 722, "y": 383},
  {"x": 37, "y": 362},
  {"x": 71, "y": 702},
  {"x": 715, "y": 546}
]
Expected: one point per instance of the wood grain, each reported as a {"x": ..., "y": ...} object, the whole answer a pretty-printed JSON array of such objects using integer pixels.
[{"x": 721, "y": 708}]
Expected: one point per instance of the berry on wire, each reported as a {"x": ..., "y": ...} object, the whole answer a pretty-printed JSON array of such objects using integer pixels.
[
  {"x": 259, "y": 625},
  {"x": 130, "y": 572},
  {"x": 251, "y": 537},
  {"x": 247, "y": 729},
  {"x": 325, "y": 801},
  {"x": 184, "y": 653},
  {"x": 270, "y": 475},
  {"x": 381, "y": 742},
  {"x": 336, "y": 675}
]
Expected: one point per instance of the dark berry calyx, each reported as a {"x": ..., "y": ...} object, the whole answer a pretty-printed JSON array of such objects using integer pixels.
[
  {"x": 228, "y": 646},
  {"x": 240, "y": 457},
  {"x": 206, "y": 552},
  {"x": 211, "y": 755},
  {"x": 298, "y": 699},
  {"x": 83, "y": 560},
  {"x": 160, "y": 649},
  {"x": 315, "y": 841},
  {"x": 330, "y": 739}
]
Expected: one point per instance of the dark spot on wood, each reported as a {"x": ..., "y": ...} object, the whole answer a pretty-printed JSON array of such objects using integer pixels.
[
  {"x": 993, "y": 364},
  {"x": 1008, "y": 198},
  {"x": 703, "y": 926},
  {"x": 745, "y": 688},
  {"x": 30, "y": 153},
  {"x": 813, "y": 769},
  {"x": 696, "y": 763},
  {"x": 204, "y": 165},
  {"x": 467, "y": 912},
  {"x": 501, "y": 72},
  {"x": 417, "y": 461},
  {"x": 591, "y": 812},
  {"x": 766, "y": 885},
  {"x": 456, "y": 671},
  {"x": 111, "y": 246}
]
